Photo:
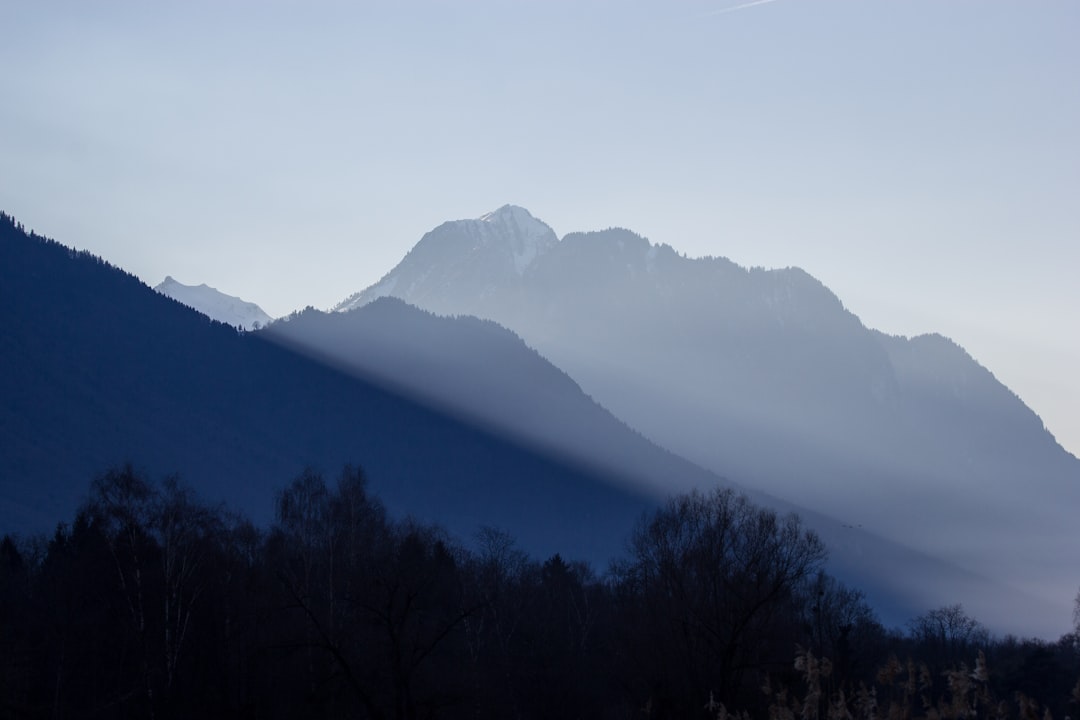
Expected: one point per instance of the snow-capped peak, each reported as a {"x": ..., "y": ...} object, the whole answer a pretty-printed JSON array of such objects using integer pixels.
[
  {"x": 528, "y": 236},
  {"x": 215, "y": 304},
  {"x": 464, "y": 257}
]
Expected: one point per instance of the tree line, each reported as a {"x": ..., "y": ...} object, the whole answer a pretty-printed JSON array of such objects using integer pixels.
[{"x": 154, "y": 603}]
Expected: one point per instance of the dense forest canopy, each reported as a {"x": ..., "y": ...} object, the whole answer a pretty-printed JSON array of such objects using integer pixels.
[{"x": 154, "y": 603}]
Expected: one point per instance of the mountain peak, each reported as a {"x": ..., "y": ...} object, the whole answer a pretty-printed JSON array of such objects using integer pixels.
[
  {"x": 215, "y": 304},
  {"x": 491, "y": 251},
  {"x": 527, "y": 236},
  {"x": 514, "y": 213}
]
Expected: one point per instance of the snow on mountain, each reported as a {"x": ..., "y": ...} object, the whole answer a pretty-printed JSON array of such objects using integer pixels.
[
  {"x": 481, "y": 256},
  {"x": 528, "y": 237},
  {"x": 215, "y": 304}
]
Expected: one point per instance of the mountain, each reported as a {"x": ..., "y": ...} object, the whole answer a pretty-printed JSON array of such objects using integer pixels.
[
  {"x": 765, "y": 377},
  {"x": 465, "y": 258},
  {"x": 101, "y": 370},
  {"x": 215, "y": 304},
  {"x": 98, "y": 370},
  {"x": 478, "y": 370},
  {"x": 487, "y": 375}
]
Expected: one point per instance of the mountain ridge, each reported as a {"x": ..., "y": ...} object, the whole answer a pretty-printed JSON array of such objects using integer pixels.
[
  {"x": 103, "y": 370},
  {"x": 488, "y": 375},
  {"x": 765, "y": 377}
]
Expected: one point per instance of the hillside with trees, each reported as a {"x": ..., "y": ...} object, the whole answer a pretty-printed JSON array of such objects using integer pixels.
[{"x": 100, "y": 370}]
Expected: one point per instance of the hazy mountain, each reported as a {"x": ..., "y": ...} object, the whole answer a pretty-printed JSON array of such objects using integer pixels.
[
  {"x": 484, "y": 373},
  {"x": 99, "y": 369},
  {"x": 215, "y": 304},
  {"x": 764, "y": 376}
]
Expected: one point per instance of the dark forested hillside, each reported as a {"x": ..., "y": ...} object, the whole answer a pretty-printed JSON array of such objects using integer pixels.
[{"x": 99, "y": 370}]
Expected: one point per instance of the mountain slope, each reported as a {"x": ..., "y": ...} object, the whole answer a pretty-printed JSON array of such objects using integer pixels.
[
  {"x": 765, "y": 377},
  {"x": 483, "y": 372},
  {"x": 487, "y": 375},
  {"x": 99, "y": 370},
  {"x": 215, "y": 304}
]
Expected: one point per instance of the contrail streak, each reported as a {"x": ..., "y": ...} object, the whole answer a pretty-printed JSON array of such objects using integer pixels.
[{"x": 733, "y": 8}]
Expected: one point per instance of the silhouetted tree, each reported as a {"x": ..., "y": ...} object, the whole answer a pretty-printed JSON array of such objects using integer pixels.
[
  {"x": 843, "y": 627},
  {"x": 715, "y": 580},
  {"x": 15, "y": 606},
  {"x": 948, "y": 635},
  {"x": 153, "y": 604},
  {"x": 122, "y": 505},
  {"x": 381, "y": 606}
]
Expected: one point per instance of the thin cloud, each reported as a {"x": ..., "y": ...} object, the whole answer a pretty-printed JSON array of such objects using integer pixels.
[{"x": 733, "y": 8}]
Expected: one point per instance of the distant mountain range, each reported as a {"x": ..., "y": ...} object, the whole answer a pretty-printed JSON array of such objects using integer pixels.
[
  {"x": 215, "y": 304},
  {"x": 930, "y": 481},
  {"x": 763, "y": 376}
]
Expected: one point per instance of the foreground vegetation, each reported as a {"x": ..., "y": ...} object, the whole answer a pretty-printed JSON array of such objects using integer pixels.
[{"x": 152, "y": 603}]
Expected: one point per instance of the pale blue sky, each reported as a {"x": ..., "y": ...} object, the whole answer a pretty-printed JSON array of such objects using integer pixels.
[{"x": 920, "y": 157}]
